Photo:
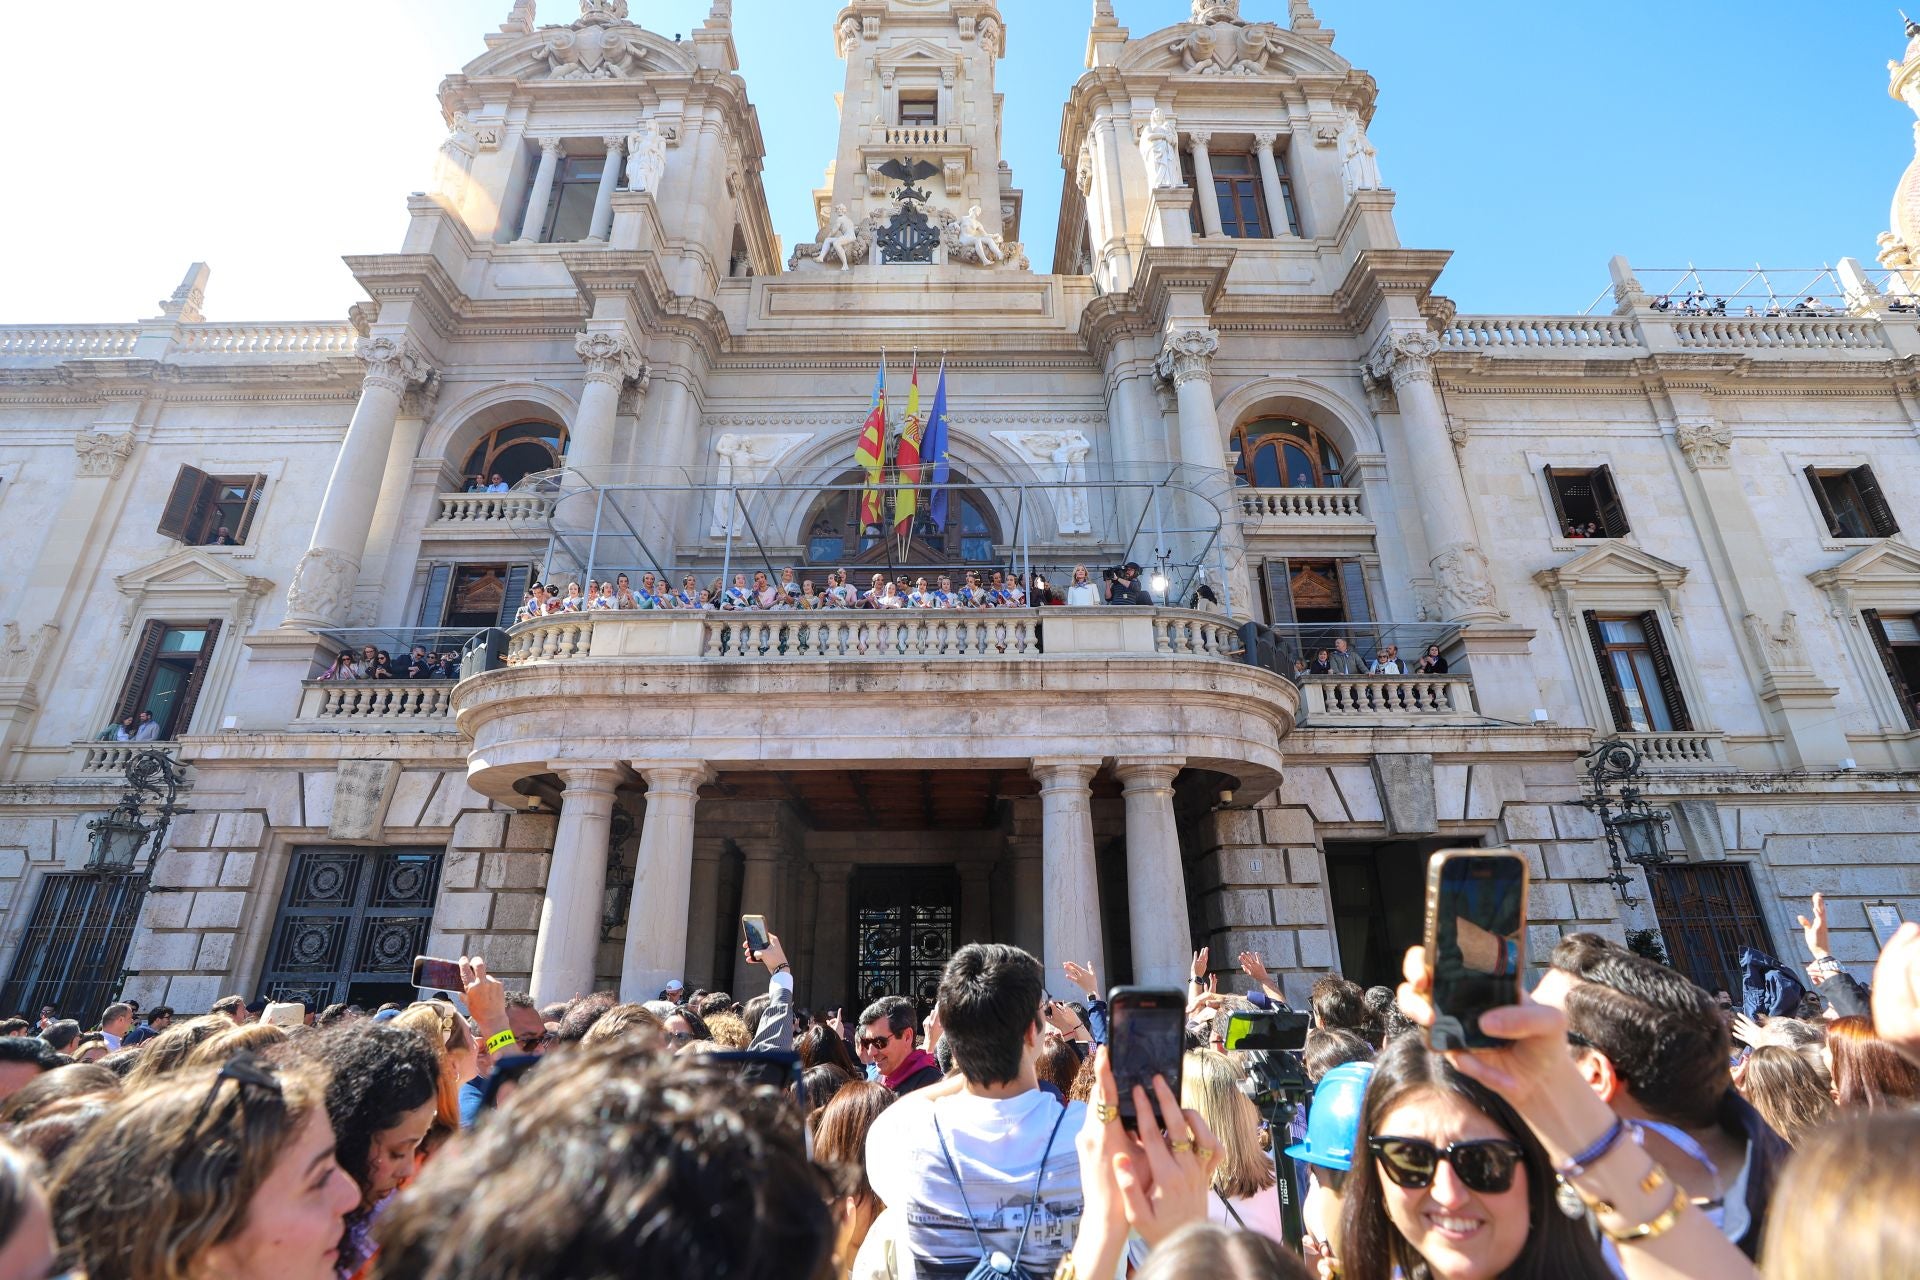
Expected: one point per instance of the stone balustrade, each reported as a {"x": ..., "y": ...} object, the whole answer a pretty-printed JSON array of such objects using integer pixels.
[
  {"x": 70, "y": 341},
  {"x": 375, "y": 706},
  {"x": 1530, "y": 336},
  {"x": 1797, "y": 333},
  {"x": 292, "y": 338},
  {"x": 1385, "y": 700},
  {"x": 1276, "y": 510},
  {"x": 106, "y": 760},
  {"x": 1480, "y": 333},
  {"x": 917, "y": 135},
  {"x": 491, "y": 510},
  {"x": 1682, "y": 750}
]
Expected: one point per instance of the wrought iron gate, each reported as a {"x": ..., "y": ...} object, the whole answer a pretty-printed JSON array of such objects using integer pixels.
[
  {"x": 1708, "y": 911},
  {"x": 72, "y": 953},
  {"x": 350, "y": 923},
  {"x": 905, "y": 922}
]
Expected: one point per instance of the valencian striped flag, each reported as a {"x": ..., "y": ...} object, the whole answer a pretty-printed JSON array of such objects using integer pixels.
[
  {"x": 906, "y": 463},
  {"x": 933, "y": 447},
  {"x": 871, "y": 452}
]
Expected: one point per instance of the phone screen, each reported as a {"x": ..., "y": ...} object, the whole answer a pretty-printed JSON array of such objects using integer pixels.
[
  {"x": 1478, "y": 933},
  {"x": 437, "y": 975},
  {"x": 1146, "y": 1039},
  {"x": 756, "y": 931}
]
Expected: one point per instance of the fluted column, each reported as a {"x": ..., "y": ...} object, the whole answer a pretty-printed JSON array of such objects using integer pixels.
[
  {"x": 1071, "y": 911},
  {"x": 322, "y": 586},
  {"x": 569, "y": 937},
  {"x": 612, "y": 361},
  {"x": 1203, "y": 179},
  {"x": 1270, "y": 184},
  {"x": 551, "y": 153},
  {"x": 759, "y": 896},
  {"x": 1187, "y": 365},
  {"x": 602, "y": 222},
  {"x": 1463, "y": 580},
  {"x": 663, "y": 879},
  {"x": 1156, "y": 878}
]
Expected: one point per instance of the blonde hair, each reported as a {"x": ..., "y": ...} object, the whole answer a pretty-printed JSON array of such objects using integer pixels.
[
  {"x": 1854, "y": 1178},
  {"x": 169, "y": 1051},
  {"x": 1210, "y": 1084},
  {"x": 730, "y": 1029},
  {"x": 170, "y": 1171},
  {"x": 625, "y": 1022},
  {"x": 217, "y": 1050}
]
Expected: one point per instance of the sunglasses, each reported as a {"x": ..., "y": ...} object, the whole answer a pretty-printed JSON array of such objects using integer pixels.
[
  {"x": 877, "y": 1042},
  {"x": 247, "y": 1072},
  {"x": 1485, "y": 1166}
]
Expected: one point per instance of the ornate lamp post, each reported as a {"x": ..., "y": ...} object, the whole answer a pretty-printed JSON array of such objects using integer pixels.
[
  {"x": 153, "y": 781},
  {"x": 1635, "y": 832}
]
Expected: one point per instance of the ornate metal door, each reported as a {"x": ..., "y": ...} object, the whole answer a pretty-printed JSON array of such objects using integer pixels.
[
  {"x": 71, "y": 954},
  {"x": 905, "y": 922},
  {"x": 1708, "y": 911},
  {"x": 350, "y": 923}
]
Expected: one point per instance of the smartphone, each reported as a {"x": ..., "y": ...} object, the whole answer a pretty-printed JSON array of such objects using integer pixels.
[
  {"x": 1276, "y": 1031},
  {"x": 1146, "y": 1037},
  {"x": 1476, "y": 940},
  {"x": 437, "y": 975},
  {"x": 755, "y": 928}
]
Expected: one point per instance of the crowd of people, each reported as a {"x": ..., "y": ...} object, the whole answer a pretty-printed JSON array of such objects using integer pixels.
[
  {"x": 1341, "y": 659},
  {"x": 1618, "y": 1131},
  {"x": 371, "y": 663}
]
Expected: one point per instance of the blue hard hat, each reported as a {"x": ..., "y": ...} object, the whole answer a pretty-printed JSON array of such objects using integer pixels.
[{"x": 1333, "y": 1122}]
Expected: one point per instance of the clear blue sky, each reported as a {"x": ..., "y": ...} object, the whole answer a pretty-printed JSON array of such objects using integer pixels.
[{"x": 1533, "y": 139}]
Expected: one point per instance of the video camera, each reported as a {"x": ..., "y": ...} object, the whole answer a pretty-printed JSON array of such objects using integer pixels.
[{"x": 1273, "y": 1039}]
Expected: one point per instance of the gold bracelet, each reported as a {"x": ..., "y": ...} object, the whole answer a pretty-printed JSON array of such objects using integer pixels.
[
  {"x": 1065, "y": 1271},
  {"x": 1647, "y": 1231}
]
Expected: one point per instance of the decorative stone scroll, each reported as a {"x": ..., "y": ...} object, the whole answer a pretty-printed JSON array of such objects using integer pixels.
[
  {"x": 20, "y": 655},
  {"x": 392, "y": 363},
  {"x": 592, "y": 48},
  {"x": 609, "y": 357},
  {"x": 1188, "y": 355},
  {"x": 1780, "y": 646},
  {"x": 1224, "y": 46},
  {"x": 322, "y": 586},
  {"x": 102, "y": 453},
  {"x": 1704, "y": 442}
]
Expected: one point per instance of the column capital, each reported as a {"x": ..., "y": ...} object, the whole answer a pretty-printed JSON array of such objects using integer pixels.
[
  {"x": 1188, "y": 355},
  {"x": 393, "y": 364},
  {"x": 1704, "y": 441},
  {"x": 1403, "y": 356},
  {"x": 616, "y": 143},
  {"x": 1198, "y": 139},
  {"x": 1265, "y": 140},
  {"x": 1148, "y": 773},
  {"x": 1065, "y": 772},
  {"x": 610, "y": 357},
  {"x": 589, "y": 776},
  {"x": 669, "y": 777},
  {"x": 552, "y": 146},
  {"x": 830, "y": 872}
]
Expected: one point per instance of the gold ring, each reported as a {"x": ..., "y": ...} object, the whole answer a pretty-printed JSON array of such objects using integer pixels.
[
  {"x": 1104, "y": 1113},
  {"x": 1185, "y": 1144},
  {"x": 1204, "y": 1154}
]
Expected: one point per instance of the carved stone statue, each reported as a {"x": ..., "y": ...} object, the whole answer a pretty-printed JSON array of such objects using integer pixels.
[
  {"x": 838, "y": 236},
  {"x": 1780, "y": 645},
  {"x": 20, "y": 656},
  {"x": 1060, "y": 456},
  {"x": 1359, "y": 162},
  {"x": 322, "y": 586},
  {"x": 102, "y": 453},
  {"x": 1465, "y": 581},
  {"x": 985, "y": 247},
  {"x": 1221, "y": 47},
  {"x": 646, "y": 158},
  {"x": 745, "y": 460},
  {"x": 1160, "y": 147}
]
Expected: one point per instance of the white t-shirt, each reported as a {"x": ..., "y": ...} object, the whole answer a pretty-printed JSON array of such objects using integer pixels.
[{"x": 996, "y": 1144}]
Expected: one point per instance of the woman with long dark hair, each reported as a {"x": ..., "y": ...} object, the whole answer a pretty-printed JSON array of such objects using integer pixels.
[{"x": 1453, "y": 1185}]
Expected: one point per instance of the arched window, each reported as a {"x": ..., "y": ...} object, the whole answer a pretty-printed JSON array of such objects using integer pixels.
[
  {"x": 515, "y": 452},
  {"x": 1286, "y": 453},
  {"x": 834, "y": 535}
]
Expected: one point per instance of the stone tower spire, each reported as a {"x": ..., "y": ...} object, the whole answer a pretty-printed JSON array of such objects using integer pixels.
[{"x": 1900, "y": 244}]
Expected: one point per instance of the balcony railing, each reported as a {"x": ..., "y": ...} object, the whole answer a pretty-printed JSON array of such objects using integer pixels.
[
  {"x": 1793, "y": 333},
  {"x": 1275, "y": 510},
  {"x": 1382, "y": 700},
  {"x": 1682, "y": 750},
  {"x": 1477, "y": 333},
  {"x": 918, "y": 135},
  {"x": 72, "y": 341},
  {"x": 106, "y": 760},
  {"x": 375, "y": 706},
  {"x": 292, "y": 338},
  {"x": 492, "y": 511}
]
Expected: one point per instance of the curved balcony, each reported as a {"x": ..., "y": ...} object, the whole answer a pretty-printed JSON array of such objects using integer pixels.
[{"x": 825, "y": 689}]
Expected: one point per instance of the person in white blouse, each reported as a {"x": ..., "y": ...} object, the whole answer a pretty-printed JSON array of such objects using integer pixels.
[
  {"x": 1388, "y": 663},
  {"x": 1082, "y": 590}
]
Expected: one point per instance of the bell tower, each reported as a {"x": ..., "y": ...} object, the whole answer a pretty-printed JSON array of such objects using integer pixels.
[{"x": 919, "y": 92}]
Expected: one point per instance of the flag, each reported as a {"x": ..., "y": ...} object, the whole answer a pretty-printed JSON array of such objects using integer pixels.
[
  {"x": 933, "y": 447},
  {"x": 871, "y": 452},
  {"x": 906, "y": 462}
]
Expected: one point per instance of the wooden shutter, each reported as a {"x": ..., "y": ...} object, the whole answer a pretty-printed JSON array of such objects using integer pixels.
[
  {"x": 1878, "y": 512},
  {"x": 1353, "y": 590},
  {"x": 433, "y": 605},
  {"x": 1663, "y": 668},
  {"x": 517, "y": 578},
  {"x": 1877, "y": 632},
  {"x": 191, "y": 694},
  {"x": 1820, "y": 497},
  {"x": 189, "y": 491},
  {"x": 1559, "y": 509},
  {"x": 256, "y": 489},
  {"x": 1279, "y": 594},
  {"x": 141, "y": 672},
  {"x": 1616, "y": 704},
  {"x": 1613, "y": 516}
]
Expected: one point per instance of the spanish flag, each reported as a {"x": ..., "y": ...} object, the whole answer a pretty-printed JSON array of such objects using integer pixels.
[
  {"x": 871, "y": 452},
  {"x": 906, "y": 462}
]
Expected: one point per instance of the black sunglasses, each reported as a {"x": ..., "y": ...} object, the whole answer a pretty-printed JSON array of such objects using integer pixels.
[
  {"x": 1485, "y": 1166},
  {"x": 247, "y": 1072}
]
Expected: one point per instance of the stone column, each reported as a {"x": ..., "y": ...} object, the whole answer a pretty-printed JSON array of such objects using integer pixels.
[
  {"x": 1463, "y": 580},
  {"x": 703, "y": 915},
  {"x": 569, "y": 937},
  {"x": 1029, "y": 928},
  {"x": 1203, "y": 179},
  {"x": 663, "y": 879},
  {"x": 1071, "y": 895},
  {"x": 1156, "y": 878},
  {"x": 758, "y": 897},
  {"x": 832, "y": 984},
  {"x": 976, "y": 908},
  {"x": 602, "y": 222},
  {"x": 1187, "y": 363},
  {"x": 1277, "y": 225},
  {"x": 551, "y": 153},
  {"x": 322, "y": 585},
  {"x": 612, "y": 361}
]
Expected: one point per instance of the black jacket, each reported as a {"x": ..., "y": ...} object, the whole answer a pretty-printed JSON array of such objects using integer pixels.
[
  {"x": 1848, "y": 998},
  {"x": 1767, "y": 1155}
]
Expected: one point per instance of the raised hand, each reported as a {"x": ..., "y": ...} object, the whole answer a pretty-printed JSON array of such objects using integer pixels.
[
  {"x": 1814, "y": 931},
  {"x": 1199, "y": 964},
  {"x": 1082, "y": 977},
  {"x": 1254, "y": 967}
]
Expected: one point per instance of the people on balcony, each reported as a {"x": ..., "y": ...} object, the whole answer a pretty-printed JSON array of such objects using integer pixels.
[
  {"x": 1387, "y": 662},
  {"x": 1344, "y": 661},
  {"x": 1431, "y": 663},
  {"x": 1082, "y": 591},
  {"x": 344, "y": 667}
]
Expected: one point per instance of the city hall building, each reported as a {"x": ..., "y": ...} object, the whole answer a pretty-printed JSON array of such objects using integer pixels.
[{"x": 1684, "y": 528}]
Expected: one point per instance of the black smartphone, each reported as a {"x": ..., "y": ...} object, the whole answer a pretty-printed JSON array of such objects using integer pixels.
[
  {"x": 437, "y": 975},
  {"x": 769, "y": 1068},
  {"x": 1476, "y": 940},
  {"x": 1146, "y": 1037},
  {"x": 755, "y": 927},
  {"x": 1274, "y": 1031}
]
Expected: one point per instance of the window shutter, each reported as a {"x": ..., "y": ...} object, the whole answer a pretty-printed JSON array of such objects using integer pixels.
[
  {"x": 1279, "y": 594},
  {"x": 1616, "y": 705},
  {"x": 135, "y": 687},
  {"x": 1613, "y": 516},
  {"x": 189, "y": 488},
  {"x": 1877, "y": 632},
  {"x": 1820, "y": 497},
  {"x": 433, "y": 605},
  {"x": 256, "y": 489},
  {"x": 1663, "y": 668},
  {"x": 1559, "y": 509},
  {"x": 1878, "y": 511},
  {"x": 191, "y": 694},
  {"x": 1353, "y": 590},
  {"x": 517, "y": 578}
]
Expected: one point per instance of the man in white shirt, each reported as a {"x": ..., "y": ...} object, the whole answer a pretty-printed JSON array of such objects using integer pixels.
[
  {"x": 115, "y": 1021},
  {"x": 1010, "y": 1144},
  {"x": 148, "y": 730}
]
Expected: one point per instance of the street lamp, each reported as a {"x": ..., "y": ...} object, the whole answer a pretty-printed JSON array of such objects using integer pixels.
[
  {"x": 1635, "y": 832},
  {"x": 120, "y": 835},
  {"x": 118, "y": 838}
]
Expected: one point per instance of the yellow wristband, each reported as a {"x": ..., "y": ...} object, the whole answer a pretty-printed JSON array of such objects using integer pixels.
[{"x": 498, "y": 1040}]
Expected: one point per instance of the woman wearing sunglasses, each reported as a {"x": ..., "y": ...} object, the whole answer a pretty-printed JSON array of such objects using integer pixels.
[{"x": 1456, "y": 1188}]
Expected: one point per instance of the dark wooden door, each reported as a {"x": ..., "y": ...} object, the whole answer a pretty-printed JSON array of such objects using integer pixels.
[
  {"x": 1708, "y": 911},
  {"x": 72, "y": 953},
  {"x": 350, "y": 923}
]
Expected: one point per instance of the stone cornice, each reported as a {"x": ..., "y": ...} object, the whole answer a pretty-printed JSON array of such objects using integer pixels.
[
  {"x": 1377, "y": 273},
  {"x": 1113, "y": 317}
]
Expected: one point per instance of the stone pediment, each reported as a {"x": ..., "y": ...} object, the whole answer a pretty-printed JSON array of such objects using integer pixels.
[
  {"x": 1231, "y": 49},
  {"x": 1889, "y": 562},
  {"x": 1612, "y": 564},
  {"x": 598, "y": 46},
  {"x": 911, "y": 54},
  {"x": 190, "y": 571}
]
